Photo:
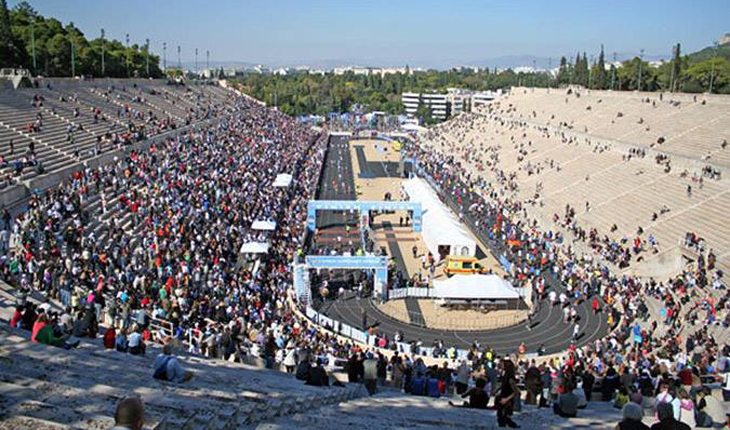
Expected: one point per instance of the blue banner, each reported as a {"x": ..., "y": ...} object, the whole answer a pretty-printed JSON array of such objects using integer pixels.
[{"x": 346, "y": 262}]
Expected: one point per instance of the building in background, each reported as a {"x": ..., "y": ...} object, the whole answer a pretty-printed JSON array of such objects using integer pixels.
[{"x": 446, "y": 105}]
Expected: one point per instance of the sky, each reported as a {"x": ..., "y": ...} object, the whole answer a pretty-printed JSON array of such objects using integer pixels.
[{"x": 423, "y": 33}]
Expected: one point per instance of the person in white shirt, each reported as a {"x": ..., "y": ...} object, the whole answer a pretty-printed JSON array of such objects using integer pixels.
[{"x": 136, "y": 346}]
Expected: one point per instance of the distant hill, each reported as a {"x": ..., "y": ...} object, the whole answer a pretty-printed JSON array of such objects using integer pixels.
[{"x": 709, "y": 52}]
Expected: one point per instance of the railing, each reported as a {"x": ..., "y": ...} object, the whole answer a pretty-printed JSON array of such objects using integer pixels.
[
  {"x": 365, "y": 338},
  {"x": 401, "y": 293},
  {"x": 5, "y": 72},
  {"x": 163, "y": 327}
]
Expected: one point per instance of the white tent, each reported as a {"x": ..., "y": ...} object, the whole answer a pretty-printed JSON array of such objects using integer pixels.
[
  {"x": 264, "y": 225},
  {"x": 414, "y": 127},
  {"x": 485, "y": 287},
  {"x": 283, "y": 180},
  {"x": 440, "y": 227},
  {"x": 255, "y": 248}
]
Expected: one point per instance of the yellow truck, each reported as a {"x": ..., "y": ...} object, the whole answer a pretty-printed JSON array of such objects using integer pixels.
[{"x": 458, "y": 265}]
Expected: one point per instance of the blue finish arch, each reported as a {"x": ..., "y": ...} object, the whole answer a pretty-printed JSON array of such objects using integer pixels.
[
  {"x": 378, "y": 264},
  {"x": 363, "y": 207}
]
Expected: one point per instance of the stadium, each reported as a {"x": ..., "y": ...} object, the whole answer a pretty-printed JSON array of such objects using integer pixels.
[{"x": 182, "y": 249}]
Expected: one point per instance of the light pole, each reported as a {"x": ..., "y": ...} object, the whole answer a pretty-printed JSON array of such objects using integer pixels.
[
  {"x": 147, "y": 55},
  {"x": 550, "y": 72},
  {"x": 196, "y": 60},
  {"x": 590, "y": 73},
  {"x": 179, "y": 63},
  {"x": 671, "y": 66},
  {"x": 613, "y": 72},
  {"x": 207, "y": 59},
  {"x": 102, "y": 52},
  {"x": 127, "y": 40},
  {"x": 641, "y": 60},
  {"x": 712, "y": 73},
  {"x": 164, "y": 56}
]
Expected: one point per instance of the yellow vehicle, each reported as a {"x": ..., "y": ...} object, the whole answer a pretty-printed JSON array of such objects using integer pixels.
[{"x": 458, "y": 265}]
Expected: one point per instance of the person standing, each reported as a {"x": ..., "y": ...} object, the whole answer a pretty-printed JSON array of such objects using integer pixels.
[
  {"x": 370, "y": 373},
  {"x": 588, "y": 381},
  {"x": 462, "y": 377},
  {"x": 506, "y": 398}
]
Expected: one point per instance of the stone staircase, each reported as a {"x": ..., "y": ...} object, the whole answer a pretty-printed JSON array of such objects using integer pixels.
[
  {"x": 394, "y": 410},
  {"x": 44, "y": 387},
  {"x": 389, "y": 409}
]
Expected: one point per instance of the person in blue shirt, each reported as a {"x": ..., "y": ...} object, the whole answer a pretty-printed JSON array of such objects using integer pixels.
[{"x": 167, "y": 367}]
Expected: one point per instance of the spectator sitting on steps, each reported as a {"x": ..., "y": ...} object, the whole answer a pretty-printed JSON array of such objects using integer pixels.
[
  {"x": 632, "y": 416},
  {"x": 567, "y": 404},
  {"x": 167, "y": 367},
  {"x": 665, "y": 413},
  {"x": 478, "y": 396}
]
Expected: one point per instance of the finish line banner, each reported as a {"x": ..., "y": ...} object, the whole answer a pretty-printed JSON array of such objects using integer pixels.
[{"x": 345, "y": 262}]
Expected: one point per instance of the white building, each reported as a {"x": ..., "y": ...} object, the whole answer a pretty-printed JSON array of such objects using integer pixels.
[
  {"x": 442, "y": 106},
  {"x": 437, "y": 103},
  {"x": 410, "y": 102},
  {"x": 382, "y": 71},
  {"x": 483, "y": 98}
]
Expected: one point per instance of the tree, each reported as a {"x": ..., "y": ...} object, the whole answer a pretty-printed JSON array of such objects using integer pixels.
[
  {"x": 628, "y": 75},
  {"x": 51, "y": 41},
  {"x": 423, "y": 112},
  {"x": 599, "y": 77},
  {"x": 676, "y": 67},
  {"x": 12, "y": 53},
  {"x": 563, "y": 71},
  {"x": 699, "y": 74}
]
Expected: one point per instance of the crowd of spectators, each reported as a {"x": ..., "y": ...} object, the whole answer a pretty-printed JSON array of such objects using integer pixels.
[
  {"x": 163, "y": 244},
  {"x": 658, "y": 346}
]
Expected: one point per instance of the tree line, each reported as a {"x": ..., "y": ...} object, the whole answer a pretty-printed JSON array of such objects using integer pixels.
[
  {"x": 307, "y": 94},
  {"x": 47, "y": 47},
  {"x": 693, "y": 73}
]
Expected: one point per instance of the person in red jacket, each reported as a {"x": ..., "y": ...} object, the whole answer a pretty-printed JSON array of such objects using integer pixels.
[
  {"x": 17, "y": 316},
  {"x": 41, "y": 322},
  {"x": 110, "y": 338}
]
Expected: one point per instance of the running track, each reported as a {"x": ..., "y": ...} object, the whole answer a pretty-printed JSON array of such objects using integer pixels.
[{"x": 547, "y": 328}]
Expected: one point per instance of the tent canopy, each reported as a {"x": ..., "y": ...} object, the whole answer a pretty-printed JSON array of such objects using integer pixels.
[
  {"x": 487, "y": 287},
  {"x": 283, "y": 180},
  {"x": 255, "y": 248},
  {"x": 264, "y": 225},
  {"x": 440, "y": 226}
]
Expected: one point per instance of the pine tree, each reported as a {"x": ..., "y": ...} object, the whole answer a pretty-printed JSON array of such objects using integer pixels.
[
  {"x": 600, "y": 79},
  {"x": 563, "y": 71},
  {"x": 676, "y": 68}
]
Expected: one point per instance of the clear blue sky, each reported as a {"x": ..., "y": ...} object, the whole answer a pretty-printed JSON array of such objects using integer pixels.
[{"x": 398, "y": 31}]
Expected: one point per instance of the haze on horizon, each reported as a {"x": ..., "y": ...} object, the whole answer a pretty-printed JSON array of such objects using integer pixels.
[{"x": 422, "y": 33}]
